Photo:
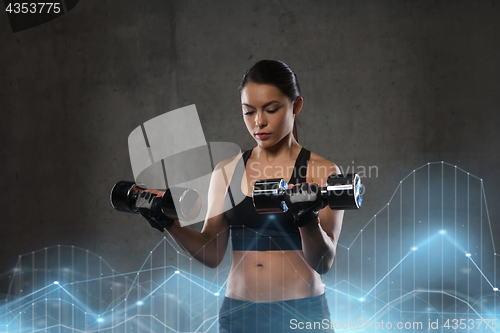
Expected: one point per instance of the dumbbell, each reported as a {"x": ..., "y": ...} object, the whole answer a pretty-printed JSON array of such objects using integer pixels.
[
  {"x": 341, "y": 192},
  {"x": 124, "y": 196}
]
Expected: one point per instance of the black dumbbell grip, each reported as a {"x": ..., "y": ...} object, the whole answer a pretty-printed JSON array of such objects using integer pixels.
[
  {"x": 268, "y": 196},
  {"x": 342, "y": 192}
]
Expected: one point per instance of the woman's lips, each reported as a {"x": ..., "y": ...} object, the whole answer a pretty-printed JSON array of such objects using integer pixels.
[{"x": 262, "y": 136}]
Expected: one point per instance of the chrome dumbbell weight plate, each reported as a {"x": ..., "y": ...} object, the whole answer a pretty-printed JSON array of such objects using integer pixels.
[
  {"x": 267, "y": 196},
  {"x": 184, "y": 203},
  {"x": 343, "y": 191},
  {"x": 124, "y": 195},
  {"x": 177, "y": 202}
]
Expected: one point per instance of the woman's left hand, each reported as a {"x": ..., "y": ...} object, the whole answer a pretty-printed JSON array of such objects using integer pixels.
[{"x": 304, "y": 202}]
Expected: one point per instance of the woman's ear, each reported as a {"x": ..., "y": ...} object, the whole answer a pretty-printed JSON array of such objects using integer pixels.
[{"x": 297, "y": 105}]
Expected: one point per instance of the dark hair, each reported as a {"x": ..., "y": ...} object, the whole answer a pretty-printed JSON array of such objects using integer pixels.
[{"x": 278, "y": 74}]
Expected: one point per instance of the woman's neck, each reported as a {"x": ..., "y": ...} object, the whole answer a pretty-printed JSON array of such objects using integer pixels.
[{"x": 287, "y": 148}]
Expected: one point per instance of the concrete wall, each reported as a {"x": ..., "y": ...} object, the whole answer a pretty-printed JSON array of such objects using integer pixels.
[{"x": 392, "y": 84}]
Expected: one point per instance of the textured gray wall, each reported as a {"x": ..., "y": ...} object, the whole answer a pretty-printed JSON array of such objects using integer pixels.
[{"x": 392, "y": 84}]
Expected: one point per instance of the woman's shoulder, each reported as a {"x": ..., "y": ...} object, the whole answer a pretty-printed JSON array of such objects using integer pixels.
[
  {"x": 320, "y": 168},
  {"x": 223, "y": 172},
  {"x": 229, "y": 163}
]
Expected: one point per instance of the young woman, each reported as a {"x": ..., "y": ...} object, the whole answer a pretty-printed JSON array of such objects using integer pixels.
[{"x": 274, "y": 284}]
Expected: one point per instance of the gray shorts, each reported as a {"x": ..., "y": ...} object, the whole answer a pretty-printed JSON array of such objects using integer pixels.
[{"x": 297, "y": 315}]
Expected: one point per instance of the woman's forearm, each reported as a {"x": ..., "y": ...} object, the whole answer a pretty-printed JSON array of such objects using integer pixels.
[
  {"x": 201, "y": 246},
  {"x": 319, "y": 248}
]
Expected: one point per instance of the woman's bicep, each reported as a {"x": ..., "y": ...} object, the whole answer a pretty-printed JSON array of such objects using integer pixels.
[
  {"x": 330, "y": 220},
  {"x": 215, "y": 220}
]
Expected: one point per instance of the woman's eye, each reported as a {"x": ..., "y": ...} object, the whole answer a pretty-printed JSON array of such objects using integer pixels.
[
  {"x": 248, "y": 113},
  {"x": 272, "y": 111}
]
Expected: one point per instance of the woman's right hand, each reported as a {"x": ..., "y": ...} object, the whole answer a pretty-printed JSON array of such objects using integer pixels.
[{"x": 149, "y": 205}]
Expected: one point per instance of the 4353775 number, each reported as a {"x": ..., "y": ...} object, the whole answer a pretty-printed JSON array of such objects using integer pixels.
[
  {"x": 33, "y": 7},
  {"x": 470, "y": 324}
]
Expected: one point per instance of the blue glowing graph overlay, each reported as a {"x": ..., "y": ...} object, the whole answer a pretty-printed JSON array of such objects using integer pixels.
[{"x": 427, "y": 258}]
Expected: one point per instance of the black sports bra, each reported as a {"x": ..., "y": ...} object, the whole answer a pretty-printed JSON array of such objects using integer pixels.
[{"x": 251, "y": 231}]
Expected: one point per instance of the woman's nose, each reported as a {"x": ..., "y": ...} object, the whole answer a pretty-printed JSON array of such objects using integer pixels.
[{"x": 260, "y": 120}]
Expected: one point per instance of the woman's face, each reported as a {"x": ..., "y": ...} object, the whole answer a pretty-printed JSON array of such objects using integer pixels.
[{"x": 268, "y": 113}]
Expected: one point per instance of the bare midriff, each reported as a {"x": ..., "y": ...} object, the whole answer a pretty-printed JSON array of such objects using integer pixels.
[{"x": 269, "y": 276}]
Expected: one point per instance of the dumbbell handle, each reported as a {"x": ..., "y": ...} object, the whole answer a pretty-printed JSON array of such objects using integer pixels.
[
  {"x": 341, "y": 192},
  {"x": 124, "y": 196}
]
